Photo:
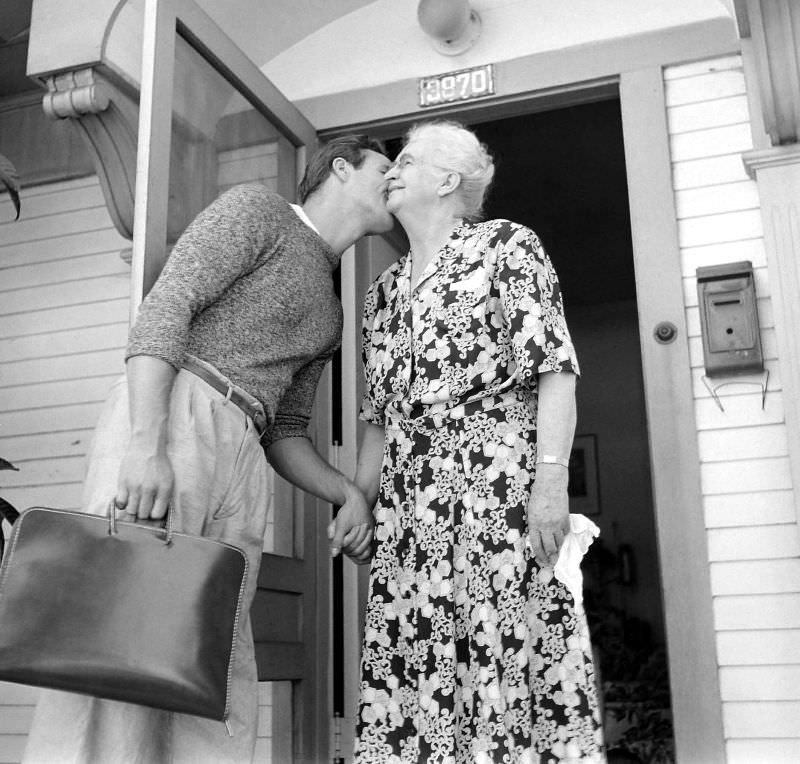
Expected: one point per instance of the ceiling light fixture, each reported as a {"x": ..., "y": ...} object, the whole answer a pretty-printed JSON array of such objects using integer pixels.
[{"x": 452, "y": 25}]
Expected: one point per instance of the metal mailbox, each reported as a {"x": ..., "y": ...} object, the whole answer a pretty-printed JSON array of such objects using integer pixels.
[{"x": 729, "y": 319}]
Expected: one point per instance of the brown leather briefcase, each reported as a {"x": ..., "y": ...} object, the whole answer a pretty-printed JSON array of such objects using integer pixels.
[{"x": 120, "y": 610}]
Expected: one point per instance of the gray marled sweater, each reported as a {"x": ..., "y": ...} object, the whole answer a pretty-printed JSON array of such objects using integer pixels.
[{"x": 248, "y": 288}]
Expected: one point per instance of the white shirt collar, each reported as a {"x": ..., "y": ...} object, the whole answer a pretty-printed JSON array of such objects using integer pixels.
[{"x": 301, "y": 213}]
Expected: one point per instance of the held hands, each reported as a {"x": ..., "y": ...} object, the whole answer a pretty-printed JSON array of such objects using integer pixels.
[
  {"x": 146, "y": 481},
  {"x": 548, "y": 513},
  {"x": 352, "y": 530}
]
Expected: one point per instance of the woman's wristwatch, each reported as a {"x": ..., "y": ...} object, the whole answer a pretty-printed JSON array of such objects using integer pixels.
[{"x": 548, "y": 459}]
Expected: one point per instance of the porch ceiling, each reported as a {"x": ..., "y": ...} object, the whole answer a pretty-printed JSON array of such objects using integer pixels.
[{"x": 262, "y": 28}]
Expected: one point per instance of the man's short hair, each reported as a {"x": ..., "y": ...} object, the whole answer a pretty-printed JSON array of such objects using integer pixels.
[{"x": 349, "y": 147}]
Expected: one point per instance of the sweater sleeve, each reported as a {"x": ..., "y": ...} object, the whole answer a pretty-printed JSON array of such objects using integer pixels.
[
  {"x": 294, "y": 410},
  {"x": 223, "y": 242}
]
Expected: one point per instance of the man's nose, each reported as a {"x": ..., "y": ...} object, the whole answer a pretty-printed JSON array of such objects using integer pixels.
[{"x": 391, "y": 172}]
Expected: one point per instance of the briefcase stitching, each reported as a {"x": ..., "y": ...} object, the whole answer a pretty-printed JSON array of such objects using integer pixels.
[{"x": 235, "y": 635}]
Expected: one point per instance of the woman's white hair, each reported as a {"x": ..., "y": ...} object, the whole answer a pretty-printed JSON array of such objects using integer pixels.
[{"x": 458, "y": 149}]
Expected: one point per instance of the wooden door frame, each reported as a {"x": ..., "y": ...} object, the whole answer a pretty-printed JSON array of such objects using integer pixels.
[
  {"x": 672, "y": 433},
  {"x": 672, "y": 428}
]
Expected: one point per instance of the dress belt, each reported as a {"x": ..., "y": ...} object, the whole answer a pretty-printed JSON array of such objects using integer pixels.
[
  {"x": 436, "y": 419},
  {"x": 233, "y": 393}
]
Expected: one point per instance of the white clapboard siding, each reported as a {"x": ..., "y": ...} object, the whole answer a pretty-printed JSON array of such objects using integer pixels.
[
  {"x": 767, "y": 719},
  {"x": 63, "y": 328},
  {"x": 758, "y": 611},
  {"x": 742, "y": 443},
  {"x": 746, "y": 648},
  {"x": 748, "y": 497},
  {"x": 716, "y": 254},
  {"x": 697, "y": 116},
  {"x": 773, "y": 751},
  {"x": 758, "y": 683},
  {"x": 763, "y": 542},
  {"x": 749, "y": 509},
  {"x": 755, "y": 576},
  {"x": 253, "y": 164},
  {"x": 16, "y": 710}
]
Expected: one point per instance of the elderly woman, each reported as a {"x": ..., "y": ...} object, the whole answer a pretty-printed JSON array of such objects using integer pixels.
[{"x": 474, "y": 651}]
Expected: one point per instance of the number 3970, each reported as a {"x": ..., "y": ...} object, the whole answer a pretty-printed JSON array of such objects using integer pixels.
[{"x": 456, "y": 86}]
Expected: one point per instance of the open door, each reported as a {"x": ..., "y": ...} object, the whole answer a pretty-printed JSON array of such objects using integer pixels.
[{"x": 209, "y": 119}]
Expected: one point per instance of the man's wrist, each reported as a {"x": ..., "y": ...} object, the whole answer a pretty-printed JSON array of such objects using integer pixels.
[
  {"x": 154, "y": 437},
  {"x": 347, "y": 488}
]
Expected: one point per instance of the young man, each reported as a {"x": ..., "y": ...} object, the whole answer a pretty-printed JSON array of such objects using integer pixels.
[{"x": 222, "y": 364}]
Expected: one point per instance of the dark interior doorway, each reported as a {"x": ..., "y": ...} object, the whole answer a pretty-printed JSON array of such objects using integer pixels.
[{"x": 562, "y": 173}]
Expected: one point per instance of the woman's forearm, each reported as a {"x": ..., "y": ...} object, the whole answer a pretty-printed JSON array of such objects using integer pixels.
[
  {"x": 370, "y": 459},
  {"x": 556, "y": 414}
]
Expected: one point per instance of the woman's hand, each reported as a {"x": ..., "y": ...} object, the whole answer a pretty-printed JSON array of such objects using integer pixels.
[
  {"x": 352, "y": 530},
  {"x": 548, "y": 513}
]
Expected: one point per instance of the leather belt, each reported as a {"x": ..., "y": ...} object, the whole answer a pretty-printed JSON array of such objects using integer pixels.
[{"x": 232, "y": 392}]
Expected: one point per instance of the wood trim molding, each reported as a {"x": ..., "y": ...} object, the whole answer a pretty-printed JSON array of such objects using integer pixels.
[
  {"x": 774, "y": 28},
  {"x": 777, "y": 172},
  {"x": 761, "y": 159},
  {"x": 106, "y": 117},
  {"x": 672, "y": 429}
]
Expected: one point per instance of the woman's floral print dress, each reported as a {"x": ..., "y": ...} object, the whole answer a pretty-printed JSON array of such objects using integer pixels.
[{"x": 472, "y": 653}]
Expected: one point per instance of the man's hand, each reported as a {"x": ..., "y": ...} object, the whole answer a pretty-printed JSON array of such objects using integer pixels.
[
  {"x": 548, "y": 513},
  {"x": 146, "y": 481},
  {"x": 352, "y": 530}
]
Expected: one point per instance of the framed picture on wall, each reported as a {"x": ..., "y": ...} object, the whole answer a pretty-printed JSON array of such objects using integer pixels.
[{"x": 584, "y": 484}]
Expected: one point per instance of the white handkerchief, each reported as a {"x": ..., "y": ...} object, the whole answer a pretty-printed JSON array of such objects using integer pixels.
[{"x": 568, "y": 567}]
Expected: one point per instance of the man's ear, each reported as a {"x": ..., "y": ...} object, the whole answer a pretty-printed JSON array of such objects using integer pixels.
[
  {"x": 340, "y": 167},
  {"x": 450, "y": 183}
]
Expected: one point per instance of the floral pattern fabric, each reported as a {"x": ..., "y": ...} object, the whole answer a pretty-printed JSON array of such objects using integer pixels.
[{"x": 472, "y": 653}]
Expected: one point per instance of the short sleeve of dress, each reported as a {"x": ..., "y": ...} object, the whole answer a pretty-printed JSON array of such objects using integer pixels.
[
  {"x": 532, "y": 307},
  {"x": 372, "y": 408}
]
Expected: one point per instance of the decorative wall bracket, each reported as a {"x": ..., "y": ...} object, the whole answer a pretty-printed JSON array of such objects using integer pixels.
[
  {"x": 106, "y": 117},
  {"x": 774, "y": 27}
]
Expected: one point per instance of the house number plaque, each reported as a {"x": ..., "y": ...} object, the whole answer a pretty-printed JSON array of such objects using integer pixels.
[{"x": 463, "y": 85}]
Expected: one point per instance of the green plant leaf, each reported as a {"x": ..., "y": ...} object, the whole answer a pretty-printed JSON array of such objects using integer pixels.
[
  {"x": 10, "y": 179},
  {"x": 5, "y": 465}
]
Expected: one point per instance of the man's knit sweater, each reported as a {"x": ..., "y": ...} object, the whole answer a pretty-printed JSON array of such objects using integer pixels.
[{"x": 248, "y": 288}]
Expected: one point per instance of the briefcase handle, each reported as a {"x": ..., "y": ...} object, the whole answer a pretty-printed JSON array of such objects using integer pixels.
[{"x": 166, "y": 526}]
